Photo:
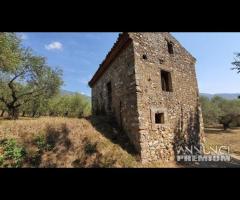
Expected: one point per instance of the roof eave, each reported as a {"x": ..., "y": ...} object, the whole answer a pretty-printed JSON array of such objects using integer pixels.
[{"x": 122, "y": 42}]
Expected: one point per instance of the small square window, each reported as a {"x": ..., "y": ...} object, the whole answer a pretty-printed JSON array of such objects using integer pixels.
[
  {"x": 145, "y": 57},
  {"x": 159, "y": 118}
]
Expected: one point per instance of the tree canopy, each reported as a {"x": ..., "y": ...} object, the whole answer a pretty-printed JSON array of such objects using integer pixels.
[
  {"x": 24, "y": 77},
  {"x": 236, "y": 63},
  {"x": 220, "y": 111}
]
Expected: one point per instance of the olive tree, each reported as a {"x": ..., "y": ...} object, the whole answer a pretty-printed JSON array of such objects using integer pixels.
[{"x": 24, "y": 77}]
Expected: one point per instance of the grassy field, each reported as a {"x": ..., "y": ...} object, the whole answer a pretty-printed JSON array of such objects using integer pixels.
[
  {"x": 64, "y": 142},
  {"x": 231, "y": 138},
  {"x": 216, "y": 136}
]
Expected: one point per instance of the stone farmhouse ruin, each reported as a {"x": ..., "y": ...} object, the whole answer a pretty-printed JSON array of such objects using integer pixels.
[{"x": 148, "y": 84}]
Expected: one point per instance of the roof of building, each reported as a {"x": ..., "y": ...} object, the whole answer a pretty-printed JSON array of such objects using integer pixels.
[{"x": 122, "y": 42}]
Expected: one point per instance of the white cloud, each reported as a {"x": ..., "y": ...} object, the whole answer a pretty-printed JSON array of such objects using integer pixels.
[
  {"x": 22, "y": 36},
  {"x": 54, "y": 46}
]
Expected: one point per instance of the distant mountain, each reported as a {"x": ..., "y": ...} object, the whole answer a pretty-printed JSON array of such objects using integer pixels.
[
  {"x": 66, "y": 92},
  {"x": 229, "y": 96}
]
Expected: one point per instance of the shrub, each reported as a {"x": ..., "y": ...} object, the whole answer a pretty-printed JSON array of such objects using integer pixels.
[
  {"x": 1, "y": 160},
  {"x": 13, "y": 154},
  {"x": 42, "y": 143},
  {"x": 90, "y": 148},
  {"x": 34, "y": 159},
  {"x": 106, "y": 162}
]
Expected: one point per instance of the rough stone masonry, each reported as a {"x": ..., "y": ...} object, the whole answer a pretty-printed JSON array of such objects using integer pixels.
[{"x": 148, "y": 85}]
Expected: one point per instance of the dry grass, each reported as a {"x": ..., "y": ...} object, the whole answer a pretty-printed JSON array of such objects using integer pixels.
[
  {"x": 74, "y": 142},
  {"x": 92, "y": 143},
  {"x": 217, "y": 137},
  {"x": 231, "y": 138}
]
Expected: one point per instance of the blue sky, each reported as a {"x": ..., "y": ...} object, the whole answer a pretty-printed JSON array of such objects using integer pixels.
[{"x": 79, "y": 55}]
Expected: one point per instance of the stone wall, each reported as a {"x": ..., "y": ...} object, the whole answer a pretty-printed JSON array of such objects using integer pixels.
[
  {"x": 183, "y": 121},
  {"x": 137, "y": 95},
  {"x": 121, "y": 73}
]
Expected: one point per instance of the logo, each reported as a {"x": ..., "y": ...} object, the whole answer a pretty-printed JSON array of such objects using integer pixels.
[{"x": 202, "y": 154}]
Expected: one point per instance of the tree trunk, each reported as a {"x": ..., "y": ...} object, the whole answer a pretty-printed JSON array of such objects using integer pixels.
[
  {"x": 225, "y": 126},
  {"x": 3, "y": 111},
  {"x": 23, "y": 114},
  {"x": 13, "y": 112},
  {"x": 34, "y": 113}
]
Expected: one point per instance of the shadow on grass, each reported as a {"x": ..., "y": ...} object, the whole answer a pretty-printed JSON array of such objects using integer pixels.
[
  {"x": 234, "y": 163},
  {"x": 54, "y": 142},
  {"x": 58, "y": 137},
  {"x": 217, "y": 131},
  {"x": 110, "y": 130},
  {"x": 90, "y": 157},
  {"x": 20, "y": 118}
]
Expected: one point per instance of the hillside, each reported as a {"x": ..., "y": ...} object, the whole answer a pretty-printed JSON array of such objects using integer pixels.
[
  {"x": 64, "y": 142},
  {"x": 66, "y": 92},
  {"x": 228, "y": 96},
  {"x": 54, "y": 142}
]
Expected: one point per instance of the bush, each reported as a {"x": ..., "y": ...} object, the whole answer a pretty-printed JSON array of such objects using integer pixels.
[
  {"x": 1, "y": 160},
  {"x": 42, "y": 143},
  {"x": 34, "y": 158},
  {"x": 90, "y": 148},
  {"x": 13, "y": 154}
]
